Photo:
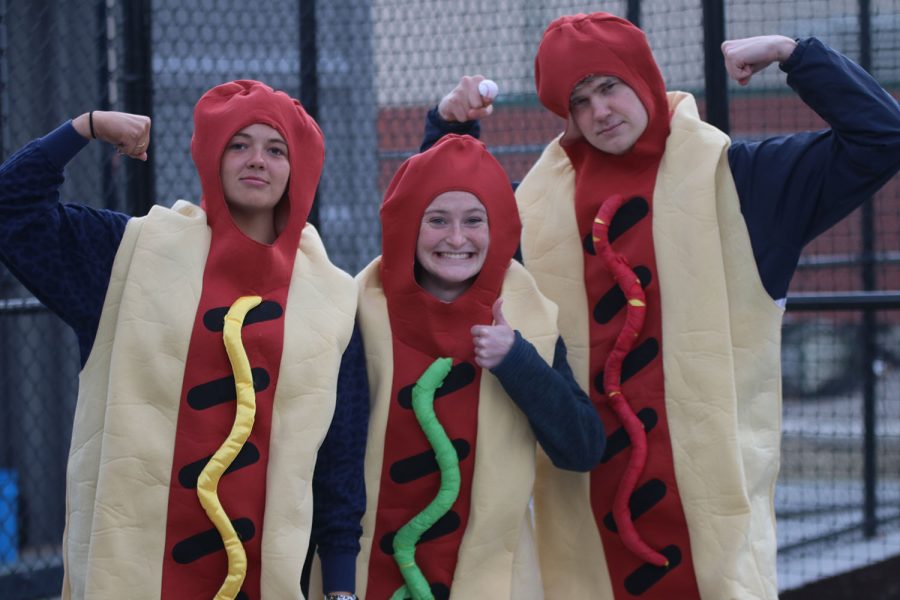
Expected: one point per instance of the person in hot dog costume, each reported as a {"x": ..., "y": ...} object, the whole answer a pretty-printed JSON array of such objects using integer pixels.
[
  {"x": 211, "y": 339},
  {"x": 669, "y": 250},
  {"x": 446, "y": 287}
]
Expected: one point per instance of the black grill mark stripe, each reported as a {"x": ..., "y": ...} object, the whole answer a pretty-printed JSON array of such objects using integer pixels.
[
  {"x": 618, "y": 440},
  {"x": 626, "y": 217},
  {"x": 214, "y": 318},
  {"x": 188, "y": 474},
  {"x": 419, "y": 465},
  {"x": 614, "y": 300},
  {"x": 207, "y": 542},
  {"x": 647, "y": 575},
  {"x": 447, "y": 524},
  {"x": 636, "y": 360},
  {"x": 459, "y": 377},
  {"x": 642, "y": 499},
  {"x": 219, "y": 391}
]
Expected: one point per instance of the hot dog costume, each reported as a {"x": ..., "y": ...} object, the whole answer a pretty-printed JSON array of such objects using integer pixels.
[
  {"x": 704, "y": 374},
  {"x": 157, "y": 392},
  {"x": 712, "y": 232},
  {"x": 483, "y": 547}
]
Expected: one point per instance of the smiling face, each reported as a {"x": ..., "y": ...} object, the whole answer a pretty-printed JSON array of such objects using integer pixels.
[
  {"x": 254, "y": 172},
  {"x": 608, "y": 114},
  {"x": 452, "y": 245}
]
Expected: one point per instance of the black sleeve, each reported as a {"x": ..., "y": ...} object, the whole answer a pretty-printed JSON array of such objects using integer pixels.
[
  {"x": 339, "y": 487},
  {"x": 794, "y": 187},
  {"x": 62, "y": 253},
  {"x": 436, "y": 128},
  {"x": 562, "y": 417}
]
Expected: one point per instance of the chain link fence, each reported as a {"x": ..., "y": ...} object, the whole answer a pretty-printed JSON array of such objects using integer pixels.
[{"x": 368, "y": 71}]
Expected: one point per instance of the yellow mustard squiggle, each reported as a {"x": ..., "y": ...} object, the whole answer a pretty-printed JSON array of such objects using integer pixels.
[{"x": 208, "y": 482}]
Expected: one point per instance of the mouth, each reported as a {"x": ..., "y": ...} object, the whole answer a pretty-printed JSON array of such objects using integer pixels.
[
  {"x": 455, "y": 255},
  {"x": 609, "y": 129},
  {"x": 254, "y": 181}
]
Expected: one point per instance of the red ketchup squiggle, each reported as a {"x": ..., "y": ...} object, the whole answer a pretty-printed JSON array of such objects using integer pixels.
[{"x": 612, "y": 380}]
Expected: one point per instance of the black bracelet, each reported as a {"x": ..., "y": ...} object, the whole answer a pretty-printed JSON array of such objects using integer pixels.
[{"x": 91, "y": 124}]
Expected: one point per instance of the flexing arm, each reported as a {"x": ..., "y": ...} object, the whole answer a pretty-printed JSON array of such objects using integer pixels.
[
  {"x": 62, "y": 253},
  {"x": 747, "y": 56},
  {"x": 339, "y": 480},
  {"x": 130, "y": 134},
  {"x": 794, "y": 187}
]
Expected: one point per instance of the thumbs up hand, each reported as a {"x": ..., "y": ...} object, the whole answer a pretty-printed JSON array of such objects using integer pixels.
[{"x": 493, "y": 342}]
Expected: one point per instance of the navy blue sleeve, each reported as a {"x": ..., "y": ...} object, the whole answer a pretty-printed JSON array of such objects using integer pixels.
[
  {"x": 436, "y": 128},
  {"x": 794, "y": 187},
  {"x": 562, "y": 417},
  {"x": 62, "y": 253},
  {"x": 339, "y": 487}
]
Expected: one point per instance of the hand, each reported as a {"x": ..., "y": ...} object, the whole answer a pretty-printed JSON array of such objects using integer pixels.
[
  {"x": 465, "y": 102},
  {"x": 129, "y": 133},
  {"x": 493, "y": 342},
  {"x": 747, "y": 56}
]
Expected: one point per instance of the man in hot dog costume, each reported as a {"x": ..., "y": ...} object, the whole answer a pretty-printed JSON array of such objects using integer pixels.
[
  {"x": 450, "y": 228},
  {"x": 669, "y": 251},
  {"x": 211, "y": 339}
]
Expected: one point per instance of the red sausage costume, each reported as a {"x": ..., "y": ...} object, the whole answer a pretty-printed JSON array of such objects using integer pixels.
[
  {"x": 157, "y": 395},
  {"x": 483, "y": 547},
  {"x": 702, "y": 374}
]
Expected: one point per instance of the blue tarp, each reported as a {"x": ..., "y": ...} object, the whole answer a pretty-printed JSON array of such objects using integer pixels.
[{"x": 9, "y": 532}]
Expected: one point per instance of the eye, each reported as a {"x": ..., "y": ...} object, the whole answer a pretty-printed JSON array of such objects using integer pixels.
[
  {"x": 436, "y": 220},
  {"x": 277, "y": 151},
  {"x": 608, "y": 87},
  {"x": 237, "y": 146},
  {"x": 476, "y": 220},
  {"x": 577, "y": 102}
]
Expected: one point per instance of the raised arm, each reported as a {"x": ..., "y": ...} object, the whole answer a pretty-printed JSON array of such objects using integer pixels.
[
  {"x": 63, "y": 253},
  {"x": 794, "y": 187},
  {"x": 747, "y": 56},
  {"x": 129, "y": 133},
  {"x": 459, "y": 111}
]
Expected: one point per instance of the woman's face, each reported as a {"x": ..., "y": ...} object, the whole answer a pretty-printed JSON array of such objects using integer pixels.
[
  {"x": 254, "y": 171},
  {"x": 452, "y": 245}
]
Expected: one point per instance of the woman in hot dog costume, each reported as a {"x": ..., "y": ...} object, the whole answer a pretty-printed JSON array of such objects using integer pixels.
[
  {"x": 211, "y": 339},
  {"x": 450, "y": 228}
]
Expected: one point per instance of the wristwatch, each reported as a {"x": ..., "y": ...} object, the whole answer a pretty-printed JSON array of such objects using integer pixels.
[{"x": 341, "y": 597}]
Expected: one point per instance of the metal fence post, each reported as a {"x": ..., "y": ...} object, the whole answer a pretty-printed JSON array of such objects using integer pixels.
[
  {"x": 309, "y": 77},
  {"x": 869, "y": 329},
  {"x": 138, "y": 94},
  {"x": 633, "y": 12},
  {"x": 714, "y": 64},
  {"x": 107, "y": 174}
]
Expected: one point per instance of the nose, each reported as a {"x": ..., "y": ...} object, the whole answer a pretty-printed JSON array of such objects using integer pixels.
[
  {"x": 256, "y": 158},
  {"x": 455, "y": 236},
  {"x": 599, "y": 108}
]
